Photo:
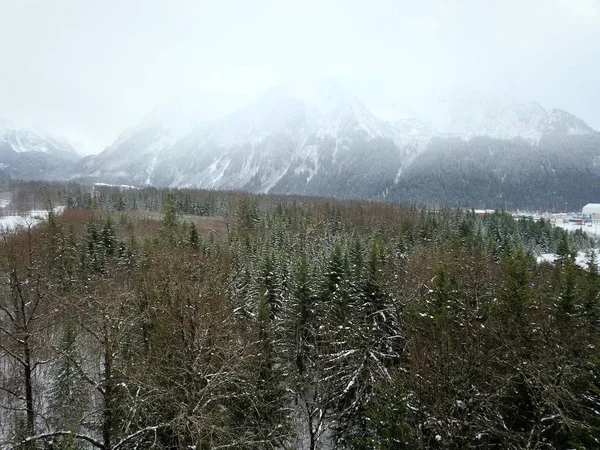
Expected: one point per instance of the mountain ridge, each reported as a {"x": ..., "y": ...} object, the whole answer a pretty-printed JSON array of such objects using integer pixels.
[
  {"x": 304, "y": 131},
  {"x": 31, "y": 154},
  {"x": 324, "y": 141}
]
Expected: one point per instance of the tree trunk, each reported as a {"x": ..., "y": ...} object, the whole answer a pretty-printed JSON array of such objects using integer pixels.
[
  {"x": 28, "y": 387},
  {"x": 108, "y": 392}
]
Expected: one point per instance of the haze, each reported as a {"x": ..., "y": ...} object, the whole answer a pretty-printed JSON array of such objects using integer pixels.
[{"x": 87, "y": 70}]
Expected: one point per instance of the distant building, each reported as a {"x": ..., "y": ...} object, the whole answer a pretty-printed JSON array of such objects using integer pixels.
[
  {"x": 591, "y": 211},
  {"x": 484, "y": 212}
]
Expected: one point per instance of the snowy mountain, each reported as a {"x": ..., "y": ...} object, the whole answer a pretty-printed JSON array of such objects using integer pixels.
[
  {"x": 559, "y": 122},
  {"x": 29, "y": 154},
  {"x": 289, "y": 133},
  {"x": 477, "y": 115},
  {"x": 322, "y": 140},
  {"x": 21, "y": 139}
]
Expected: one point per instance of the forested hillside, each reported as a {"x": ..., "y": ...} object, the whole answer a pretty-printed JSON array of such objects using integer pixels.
[
  {"x": 557, "y": 172},
  {"x": 187, "y": 319}
]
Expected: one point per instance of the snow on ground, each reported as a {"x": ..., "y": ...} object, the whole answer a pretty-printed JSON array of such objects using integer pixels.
[
  {"x": 32, "y": 218},
  {"x": 593, "y": 230},
  {"x": 580, "y": 259},
  {"x": 121, "y": 186}
]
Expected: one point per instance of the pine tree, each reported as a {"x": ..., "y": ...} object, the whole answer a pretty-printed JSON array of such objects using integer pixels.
[
  {"x": 194, "y": 236},
  {"x": 108, "y": 237},
  {"x": 271, "y": 413},
  {"x": 516, "y": 294},
  {"x": 564, "y": 254},
  {"x": 68, "y": 395},
  {"x": 592, "y": 288},
  {"x": 568, "y": 295},
  {"x": 96, "y": 254},
  {"x": 270, "y": 286},
  {"x": 303, "y": 314},
  {"x": 170, "y": 219},
  {"x": 300, "y": 329}
]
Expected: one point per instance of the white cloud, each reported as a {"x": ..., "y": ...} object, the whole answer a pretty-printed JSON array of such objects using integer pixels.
[
  {"x": 89, "y": 69},
  {"x": 582, "y": 8}
]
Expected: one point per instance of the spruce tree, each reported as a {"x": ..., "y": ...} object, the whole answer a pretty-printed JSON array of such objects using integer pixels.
[
  {"x": 170, "y": 219},
  {"x": 69, "y": 398},
  {"x": 592, "y": 288},
  {"x": 194, "y": 236}
]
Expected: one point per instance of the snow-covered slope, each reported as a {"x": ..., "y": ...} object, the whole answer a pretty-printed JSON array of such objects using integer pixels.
[
  {"x": 29, "y": 154},
  {"x": 308, "y": 139},
  {"x": 521, "y": 120},
  {"x": 21, "y": 139},
  {"x": 558, "y": 121},
  {"x": 286, "y": 129},
  {"x": 528, "y": 121}
]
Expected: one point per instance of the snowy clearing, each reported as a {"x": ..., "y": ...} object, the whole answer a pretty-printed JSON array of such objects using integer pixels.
[
  {"x": 580, "y": 259},
  {"x": 589, "y": 229},
  {"x": 34, "y": 217}
]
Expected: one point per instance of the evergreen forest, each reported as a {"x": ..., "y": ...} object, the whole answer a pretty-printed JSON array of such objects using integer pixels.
[{"x": 192, "y": 319}]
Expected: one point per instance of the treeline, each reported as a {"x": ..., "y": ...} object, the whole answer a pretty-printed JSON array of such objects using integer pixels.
[
  {"x": 537, "y": 237},
  {"x": 308, "y": 324}
]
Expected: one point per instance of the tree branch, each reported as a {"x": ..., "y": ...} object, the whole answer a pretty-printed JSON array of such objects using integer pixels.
[
  {"x": 136, "y": 434},
  {"x": 83, "y": 437}
]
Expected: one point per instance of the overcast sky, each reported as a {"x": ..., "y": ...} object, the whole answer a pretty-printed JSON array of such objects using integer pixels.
[{"x": 88, "y": 69}]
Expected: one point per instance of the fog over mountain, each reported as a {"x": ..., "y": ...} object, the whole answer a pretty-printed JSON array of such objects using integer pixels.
[
  {"x": 88, "y": 70},
  {"x": 34, "y": 154},
  {"x": 320, "y": 139},
  {"x": 432, "y": 102},
  {"x": 316, "y": 137}
]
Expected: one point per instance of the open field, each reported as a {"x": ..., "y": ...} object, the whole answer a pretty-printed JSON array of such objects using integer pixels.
[{"x": 141, "y": 223}]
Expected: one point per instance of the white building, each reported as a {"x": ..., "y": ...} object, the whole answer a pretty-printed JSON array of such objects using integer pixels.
[{"x": 591, "y": 211}]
